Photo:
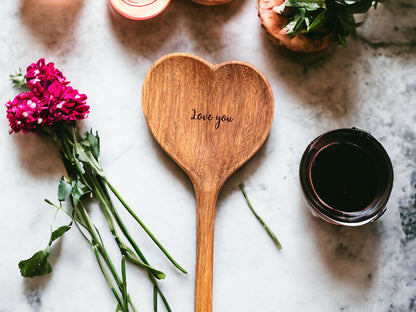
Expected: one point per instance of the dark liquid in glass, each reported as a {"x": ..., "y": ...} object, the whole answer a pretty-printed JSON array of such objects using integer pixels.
[{"x": 345, "y": 177}]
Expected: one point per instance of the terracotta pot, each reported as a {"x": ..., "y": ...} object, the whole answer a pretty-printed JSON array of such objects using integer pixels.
[
  {"x": 211, "y": 2},
  {"x": 274, "y": 24}
]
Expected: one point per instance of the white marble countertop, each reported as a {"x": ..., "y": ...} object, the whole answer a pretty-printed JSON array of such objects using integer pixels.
[{"x": 370, "y": 84}]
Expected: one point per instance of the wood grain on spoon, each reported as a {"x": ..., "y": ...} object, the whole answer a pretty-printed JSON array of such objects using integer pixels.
[{"x": 210, "y": 119}]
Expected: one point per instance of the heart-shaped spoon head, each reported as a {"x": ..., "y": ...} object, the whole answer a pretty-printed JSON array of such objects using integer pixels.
[{"x": 210, "y": 119}]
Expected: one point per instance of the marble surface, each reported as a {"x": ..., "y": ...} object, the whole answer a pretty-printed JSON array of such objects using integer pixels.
[{"x": 370, "y": 84}]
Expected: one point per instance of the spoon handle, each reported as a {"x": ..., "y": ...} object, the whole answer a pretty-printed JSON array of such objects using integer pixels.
[{"x": 205, "y": 218}]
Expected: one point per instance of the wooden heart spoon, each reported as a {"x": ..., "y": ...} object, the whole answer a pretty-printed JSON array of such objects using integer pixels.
[{"x": 210, "y": 119}]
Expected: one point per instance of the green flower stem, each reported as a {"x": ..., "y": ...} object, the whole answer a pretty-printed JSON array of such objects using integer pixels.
[
  {"x": 98, "y": 244},
  {"x": 86, "y": 176},
  {"x": 124, "y": 276},
  {"x": 165, "y": 302},
  {"x": 143, "y": 226},
  {"x": 100, "y": 172},
  {"x": 272, "y": 235},
  {"x": 155, "y": 298},
  {"x": 101, "y": 253},
  {"x": 102, "y": 196},
  {"x": 82, "y": 220},
  {"x": 107, "y": 278},
  {"x": 152, "y": 273},
  {"x": 82, "y": 164},
  {"x": 67, "y": 148}
]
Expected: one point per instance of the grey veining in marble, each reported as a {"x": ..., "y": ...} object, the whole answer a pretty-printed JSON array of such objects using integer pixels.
[{"x": 370, "y": 84}]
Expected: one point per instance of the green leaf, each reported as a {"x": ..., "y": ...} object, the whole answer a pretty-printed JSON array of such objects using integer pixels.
[
  {"x": 64, "y": 189},
  {"x": 83, "y": 153},
  {"x": 94, "y": 141},
  {"x": 307, "y": 22},
  {"x": 300, "y": 20},
  {"x": 347, "y": 21},
  {"x": 91, "y": 146},
  {"x": 316, "y": 19},
  {"x": 79, "y": 189},
  {"x": 359, "y": 6},
  {"x": 296, "y": 22},
  {"x": 37, "y": 265},
  {"x": 59, "y": 232},
  {"x": 19, "y": 80},
  {"x": 51, "y": 203},
  {"x": 341, "y": 40},
  {"x": 306, "y": 4}
]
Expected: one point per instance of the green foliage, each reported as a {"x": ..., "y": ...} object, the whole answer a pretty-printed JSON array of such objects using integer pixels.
[
  {"x": 269, "y": 231},
  {"x": 38, "y": 264},
  {"x": 64, "y": 189},
  {"x": 19, "y": 80},
  {"x": 87, "y": 183},
  {"x": 58, "y": 233},
  {"x": 306, "y": 4},
  {"x": 92, "y": 142},
  {"x": 316, "y": 19}
]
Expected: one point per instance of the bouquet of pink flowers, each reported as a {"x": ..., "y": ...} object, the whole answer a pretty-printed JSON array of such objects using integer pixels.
[{"x": 50, "y": 106}]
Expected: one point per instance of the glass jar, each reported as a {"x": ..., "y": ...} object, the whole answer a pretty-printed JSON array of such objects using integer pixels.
[
  {"x": 139, "y": 9},
  {"x": 346, "y": 176}
]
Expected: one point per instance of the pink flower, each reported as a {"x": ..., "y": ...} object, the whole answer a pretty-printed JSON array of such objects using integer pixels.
[
  {"x": 39, "y": 76},
  {"x": 26, "y": 112},
  {"x": 66, "y": 103},
  {"x": 49, "y": 100}
]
